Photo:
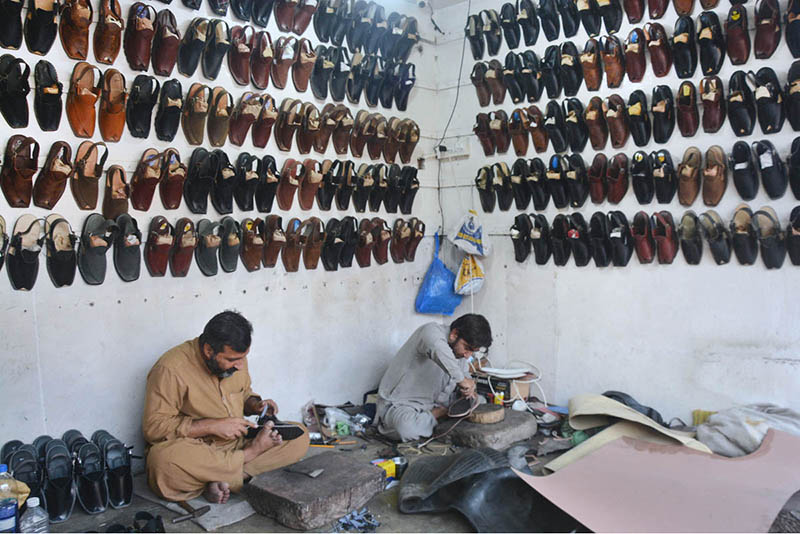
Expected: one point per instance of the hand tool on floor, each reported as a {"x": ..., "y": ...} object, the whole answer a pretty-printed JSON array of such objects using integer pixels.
[
  {"x": 311, "y": 473},
  {"x": 192, "y": 512}
]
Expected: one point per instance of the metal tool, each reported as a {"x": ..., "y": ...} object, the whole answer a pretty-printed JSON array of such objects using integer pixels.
[
  {"x": 311, "y": 473},
  {"x": 193, "y": 513}
]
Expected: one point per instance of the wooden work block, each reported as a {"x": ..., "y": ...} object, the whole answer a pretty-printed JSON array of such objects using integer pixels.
[
  {"x": 303, "y": 503},
  {"x": 516, "y": 426}
]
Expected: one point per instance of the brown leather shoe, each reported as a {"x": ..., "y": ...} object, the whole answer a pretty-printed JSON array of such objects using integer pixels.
[
  {"x": 344, "y": 127},
  {"x": 115, "y": 199},
  {"x": 381, "y": 236},
  {"x": 713, "y": 99},
  {"x": 737, "y": 35},
  {"x": 635, "y": 58},
  {"x": 52, "y": 179},
  {"x": 86, "y": 174},
  {"x": 252, "y": 249},
  {"x": 617, "y": 178},
  {"x": 494, "y": 77},
  {"x": 643, "y": 238},
  {"x": 327, "y": 123},
  {"x": 76, "y": 16},
  {"x": 613, "y": 61},
  {"x": 309, "y": 127},
  {"x": 166, "y": 42},
  {"x": 658, "y": 45},
  {"x": 538, "y": 132},
  {"x": 408, "y": 138},
  {"x": 365, "y": 243},
  {"x": 686, "y": 103},
  {"x": 302, "y": 17},
  {"x": 160, "y": 240},
  {"x": 288, "y": 121},
  {"x": 715, "y": 176},
  {"x": 768, "y": 28},
  {"x": 113, "y": 101},
  {"x": 597, "y": 178},
  {"x": 657, "y": 8},
  {"x": 392, "y": 140},
  {"x": 665, "y": 237},
  {"x": 261, "y": 59},
  {"x": 262, "y": 128},
  {"x": 616, "y": 115},
  {"x": 689, "y": 176},
  {"x": 683, "y": 7},
  {"x": 182, "y": 252},
  {"x": 518, "y": 127},
  {"x": 596, "y": 123},
  {"x": 195, "y": 110},
  {"x": 19, "y": 166},
  {"x": 81, "y": 99},
  {"x": 401, "y": 233},
  {"x": 312, "y": 233},
  {"x": 417, "y": 233},
  {"x": 240, "y": 53},
  {"x": 173, "y": 174},
  {"x": 244, "y": 116},
  {"x": 590, "y": 62},
  {"x": 360, "y": 134},
  {"x": 292, "y": 175},
  {"x": 147, "y": 175},
  {"x": 310, "y": 184},
  {"x": 219, "y": 116},
  {"x": 108, "y": 32},
  {"x": 285, "y": 52},
  {"x": 293, "y": 247},
  {"x": 498, "y": 129},
  {"x": 634, "y": 9},
  {"x": 275, "y": 240},
  {"x": 139, "y": 35},
  {"x": 377, "y": 142},
  {"x": 303, "y": 64}
]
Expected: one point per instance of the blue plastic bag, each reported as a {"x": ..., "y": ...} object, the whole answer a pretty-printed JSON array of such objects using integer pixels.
[{"x": 436, "y": 295}]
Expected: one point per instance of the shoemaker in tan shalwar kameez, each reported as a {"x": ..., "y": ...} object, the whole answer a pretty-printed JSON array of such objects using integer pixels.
[{"x": 180, "y": 389}]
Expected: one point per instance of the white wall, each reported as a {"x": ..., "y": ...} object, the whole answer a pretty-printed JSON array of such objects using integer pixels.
[
  {"x": 676, "y": 337},
  {"x": 77, "y": 357}
]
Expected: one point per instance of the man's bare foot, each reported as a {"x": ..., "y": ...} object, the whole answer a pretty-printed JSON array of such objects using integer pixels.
[
  {"x": 217, "y": 492},
  {"x": 264, "y": 441},
  {"x": 439, "y": 411}
]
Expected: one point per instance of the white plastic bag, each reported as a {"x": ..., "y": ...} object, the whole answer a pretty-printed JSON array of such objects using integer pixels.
[
  {"x": 468, "y": 235},
  {"x": 469, "y": 279}
]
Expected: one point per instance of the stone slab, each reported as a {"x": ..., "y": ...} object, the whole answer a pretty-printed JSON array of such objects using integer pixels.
[
  {"x": 517, "y": 426},
  {"x": 303, "y": 503}
]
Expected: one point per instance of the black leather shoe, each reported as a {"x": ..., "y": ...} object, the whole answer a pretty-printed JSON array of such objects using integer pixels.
[
  {"x": 537, "y": 184},
  {"x": 40, "y": 27},
  {"x": 718, "y": 237},
  {"x": 793, "y": 236},
  {"x": 528, "y": 21},
  {"x": 11, "y": 24},
  {"x": 96, "y": 238},
  {"x": 492, "y": 31},
  {"x": 663, "y": 113},
  {"x": 502, "y": 186},
  {"x": 744, "y": 237},
  {"x": 484, "y": 182},
  {"x": 556, "y": 127},
  {"x": 540, "y": 238},
  {"x": 639, "y": 119},
  {"x": 771, "y": 238},
  {"x": 577, "y": 134},
  {"x": 769, "y": 100},
  {"x": 664, "y": 176},
  {"x": 741, "y": 105},
  {"x": 407, "y": 80},
  {"x": 550, "y": 23},
  {"x": 771, "y": 168},
  {"x": 745, "y": 175},
  {"x": 511, "y": 29},
  {"x": 242, "y": 9},
  {"x": 559, "y": 240},
  {"x": 224, "y": 183},
  {"x": 684, "y": 48},
  {"x": 200, "y": 178},
  {"x": 519, "y": 184},
  {"x": 261, "y": 10},
  {"x": 14, "y": 89},
  {"x": 578, "y": 235},
  {"x": 549, "y": 70},
  {"x": 47, "y": 97},
  {"x": 377, "y": 34},
  {"x": 556, "y": 180},
  {"x": 642, "y": 177},
  {"x": 61, "y": 243},
  {"x": 599, "y": 238},
  {"x": 711, "y": 41},
  {"x": 340, "y": 73},
  {"x": 793, "y": 95},
  {"x": 521, "y": 237},
  {"x": 22, "y": 255},
  {"x": 590, "y": 17},
  {"x": 341, "y": 23},
  {"x": 577, "y": 181},
  {"x": 794, "y": 168},
  {"x": 141, "y": 101},
  {"x": 321, "y": 73},
  {"x": 127, "y": 251},
  {"x": 570, "y": 18},
  {"x": 267, "y": 184},
  {"x": 619, "y": 232},
  {"x": 611, "y": 11},
  {"x": 391, "y": 77},
  {"x": 168, "y": 116},
  {"x": 192, "y": 45},
  {"x": 218, "y": 41},
  {"x": 691, "y": 241},
  {"x": 570, "y": 70},
  {"x": 247, "y": 179},
  {"x": 513, "y": 77},
  {"x": 530, "y": 76}
]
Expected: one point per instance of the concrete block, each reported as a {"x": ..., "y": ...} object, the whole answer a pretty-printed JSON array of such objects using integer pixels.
[
  {"x": 517, "y": 426},
  {"x": 303, "y": 503}
]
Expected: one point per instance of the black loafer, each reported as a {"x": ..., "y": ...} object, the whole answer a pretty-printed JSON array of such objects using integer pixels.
[
  {"x": 577, "y": 181},
  {"x": 209, "y": 241},
  {"x": 513, "y": 78},
  {"x": 639, "y": 119},
  {"x": 537, "y": 184},
  {"x": 718, "y": 237},
  {"x": 549, "y": 70},
  {"x": 577, "y": 134},
  {"x": 391, "y": 78},
  {"x": 200, "y": 177},
  {"x": 711, "y": 41},
  {"x": 521, "y": 237},
  {"x": 528, "y": 21},
  {"x": 550, "y": 23},
  {"x": 372, "y": 43},
  {"x": 61, "y": 243},
  {"x": 24, "y": 463},
  {"x": 599, "y": 239},
  {"x": 341, "y": 23},
  {"x": 127, "y": 248},
  {"x": 267, "y": 184},
  {"x": 792, "y": 240},
  {"x": 40, "y": 27},
  {"x": 590, "y": 17},
  {"x": 168, "y": 116},
  {"x": 769, "y": 101},
  {"x": 745, "y": 175},
  {"x": 664, "y": 176},
  {"x": 530, "y": 76},
  {"x": 642, "y": 177},
  {"x": 570, "y": 18},
  {"x": 792, "y": 94},
  {"x": 60, "y": 491},
  {"x": 540, "y": 238},
  {"x": 47, "y": 103},
  {"x": 519, "y": 184},
  {"x": 141, "y": 101},
  {"x": 242, "y": 9},
  {"x": 218, "y": 41},
  {"x": 691, "y": 241},
  {"x": 14, "y": 89},
  {"x": 744, "y": 237},
  {"x": 793, "y": 28},
  {"x": 219, "y": 7},
  {"x": 96, "y": 238},
  {"x": 663, "y": 108},
  {"x": 556, "y": 127},
  {"x": 321, "y": 73},
  {"x": 332, "y": 246},
  {"x": 192, "y": 44},
  {"x": 620, "y": 237},
  {"x": 11, "y": 24},
  {"x": 684, "y": 48},
  {"x": 230, "y": 240},
  {"x": 511, "y": 29},
  {"x": 570, "y": 70},
  {"x": 611, "y": 11},
  {"x": 502, "y": 186},
  {"x": 559, "y": 240},
  {"x": 492, "y": 31},
  {"x": 771, "y": 168},
  {"x": 578, "y": 236},
  {"x": 90, "y": 478},
  {"x": 771, "y": 238},
  {"x": 340, "y": 74},
  {"x": 556, "y": 180},
  {"x": 350, "y": 238},
  {"x": 261, "y": 11},
  {"x": 117, "y": 459},
  {"x": 247, "y": 179},
  {"x": 22, "y": 254},
  {"x": 741, "y": 105},
  {"x": 794, "y": 167},
  {"x": 224, "y": 183}
]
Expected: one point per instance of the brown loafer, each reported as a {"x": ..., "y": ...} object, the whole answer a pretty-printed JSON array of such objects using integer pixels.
[
  {"x": 275, "y": 240},
  {"x": 768, "y": 28},
  {"x": 310, "y": 184},
  {"x": 715, "y": 176},
  {"x": 285, "y": 51},
  {"x": 596, "y": 123},
  {"x": 683, "y": 7},
  {"x": 182, "y": 252},
  {"x": 689, "y": 176},
  {"x": 86, "y": 174},
  {"x": 713, "y": 99},
  {"x": 292, "y": 175},
  {"x": 52, "y": 179},
  {"x": 400, "y": 235},
  {"x": 409, "y": 137},
  {"x": 617, "y": 178},
  {"x": 686, "y": 105},
  {"x": 19, "y": 166},
  {"x": 377, "y": 142},
  {"x": 108, "y": 32},
  {"x": 290, "y": 255},
  {"x": 139, "y": 35},
  {"x": 113, "y": 101},
  {"x": 482, "y": 131},
  {"x": 365, "y": 243},
  {"x": 590, "y": 63},
  {"x": 342, "y": 130},
  {"x": 195, "y": 110},
  {"x": 160, "y": 240},
  {"x": 392, "y": 145},
  {"x": 518, "y": 127},
  {"x": 261, "y": 60},
  {"x": 537, "y": 130},
  {"x": 173, "y": 174},
  {"x": 616, "y": 115},
  {"x": 635, "y": 58},
  {"x": 303, "y": 64},
  {"x": 219, "y": 116},
  {"x": 289, "y": 120},
  {"x": 418, "y": 232},
  {"x": 244, "y": 116},
  {"x": 252, "y": 249},
  {"x": 240, "y": 53},
  {"x": 381, "y": 236},
  {"x": 145, "y": 179},
  {"x": 115, "y": 199},
  {"x": 309, "y": 127},
  {"x": 598, "y": 185},
  {"x": 659, "y": 47},
  {"x": 312, "y": 232},
  {"x": 358, "y": 138},
  {"x": 494, "y": 78},
  {"x": 81, "y": 99},
  {"x": 327, "y": 123},
  {"x": 166, "y": 42},
  {"x": 302, "y": 16},
  {"x": 284, "y": 14},
  {"x": 76, "y": 16},
  {"x": 262, "y": 128},
  {"x": 613, "y": 61}
]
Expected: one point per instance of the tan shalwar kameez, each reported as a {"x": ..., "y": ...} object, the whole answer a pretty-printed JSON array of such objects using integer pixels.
[{"x": 181, "y": 389}]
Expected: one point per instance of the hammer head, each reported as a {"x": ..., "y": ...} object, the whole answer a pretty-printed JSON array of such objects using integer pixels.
[{"x": 194, "y": 513}]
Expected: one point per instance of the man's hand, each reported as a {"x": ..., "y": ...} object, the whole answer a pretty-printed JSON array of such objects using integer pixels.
[
  {"x": 467, "y": 388},
  {"x": 229, "y": 428},
  {"x": 254, "y": 406}
]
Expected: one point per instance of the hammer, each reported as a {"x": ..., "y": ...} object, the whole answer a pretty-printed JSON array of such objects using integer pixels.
[{"x": 193, "y": 513}]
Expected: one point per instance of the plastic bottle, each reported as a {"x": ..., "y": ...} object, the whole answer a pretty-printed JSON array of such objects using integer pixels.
[
  {"x": 8, "y": 501},
  {"x": 35, "y": 519}
]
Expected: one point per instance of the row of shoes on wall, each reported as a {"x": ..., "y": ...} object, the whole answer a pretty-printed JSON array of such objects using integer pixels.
[
  {"x": 568, "y": 182},
  {"x": 485, "y": 31},
  {"x": 58, "y": 472},
  {"x": 570, "y": 126},
  {"x": 609, "y": 239},
  {"x": 249, "y": 180},
  {"x": 211, "y": 244},
  {"x": 290, "y": 15}
]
